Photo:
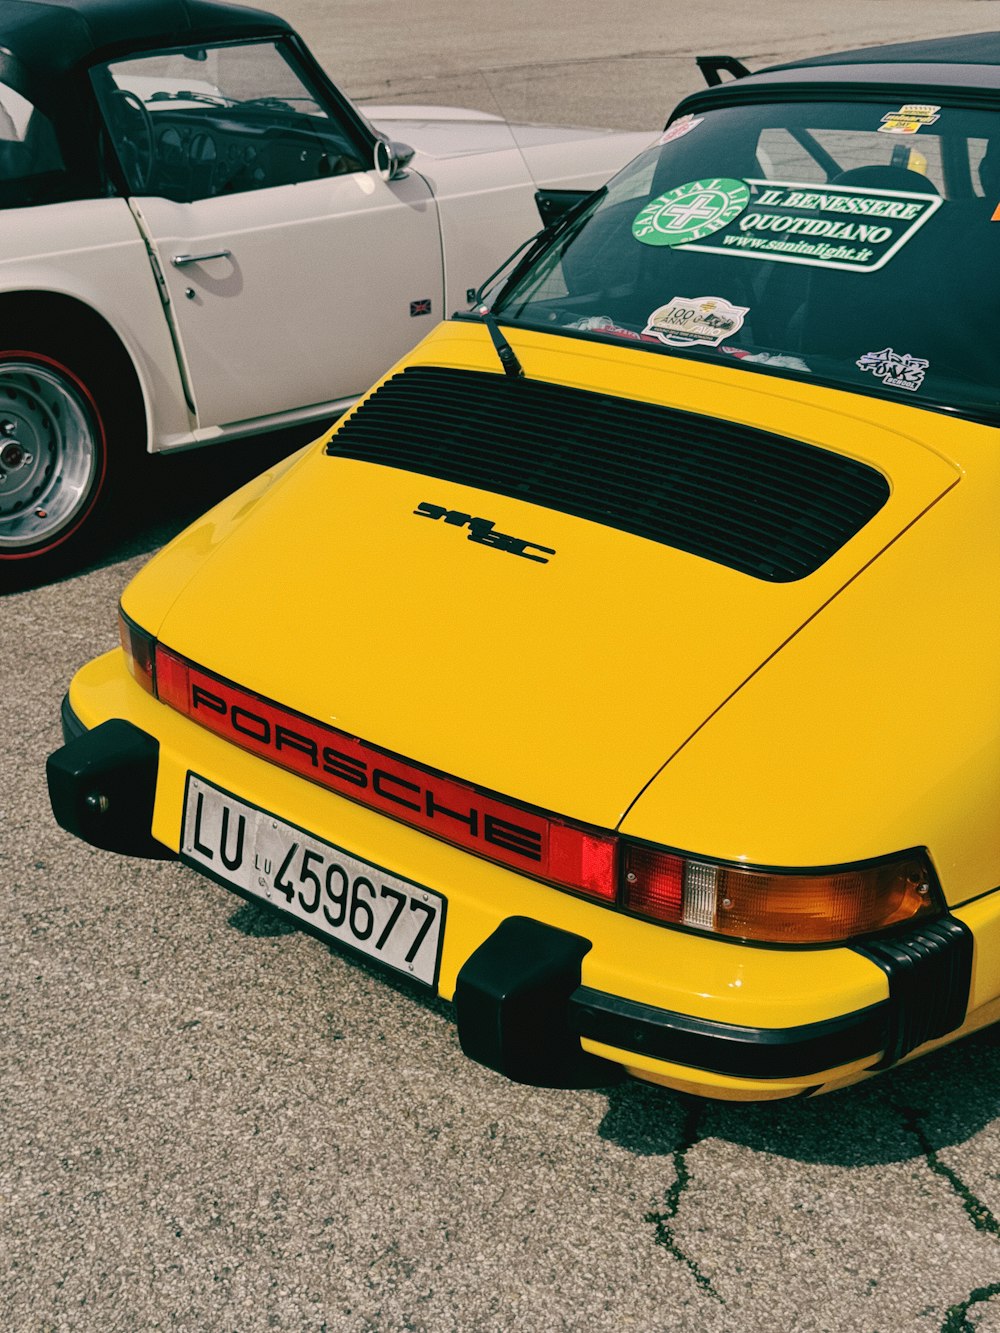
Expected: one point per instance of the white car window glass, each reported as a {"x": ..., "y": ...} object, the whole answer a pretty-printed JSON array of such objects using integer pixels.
[
  {"x": 31, "y": 166},
  {"x": 977, "y": 153},
  {"x": 201, "y": 122},
  {"x": 782, "y": 157}
]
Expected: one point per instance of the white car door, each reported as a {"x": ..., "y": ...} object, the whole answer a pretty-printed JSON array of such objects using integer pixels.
[{"x": 295, "y": 273}]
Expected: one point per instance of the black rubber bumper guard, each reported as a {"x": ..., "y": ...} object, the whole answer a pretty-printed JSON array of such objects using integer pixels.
[{"x": 102, "y": 786}]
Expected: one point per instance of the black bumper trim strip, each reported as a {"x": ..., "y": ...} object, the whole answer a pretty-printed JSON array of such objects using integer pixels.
[
  {"x": 72, "y": 727},
  {"x": 726, "y": 1048}
]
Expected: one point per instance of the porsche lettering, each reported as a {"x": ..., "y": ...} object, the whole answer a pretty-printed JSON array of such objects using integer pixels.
[{"x": 446, "y": 807}]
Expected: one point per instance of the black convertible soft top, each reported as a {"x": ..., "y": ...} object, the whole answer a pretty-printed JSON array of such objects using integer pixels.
[
  {"x": 964, "y": 69},
  {"x": 976, "y": 48},
  {"x": 42, "y": 41}
]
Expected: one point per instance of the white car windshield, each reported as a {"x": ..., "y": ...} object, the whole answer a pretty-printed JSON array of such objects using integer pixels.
[{"x": 200, "y": 122}]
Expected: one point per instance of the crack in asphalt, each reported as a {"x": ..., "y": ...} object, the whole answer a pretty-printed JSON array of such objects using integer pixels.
[
  {"x": 955, "y": 1320},
  {"x": 672, "y": 1199},
  {"x": 981, "y": 1217}
]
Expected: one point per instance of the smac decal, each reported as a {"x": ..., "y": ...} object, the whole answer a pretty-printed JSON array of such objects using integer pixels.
[{"x": 482, "y": 531}]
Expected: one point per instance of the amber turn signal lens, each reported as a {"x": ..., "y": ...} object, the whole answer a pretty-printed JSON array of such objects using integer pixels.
[{"x": 778, "y": 907}]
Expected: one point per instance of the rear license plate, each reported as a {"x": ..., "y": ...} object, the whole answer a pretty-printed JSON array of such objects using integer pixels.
[{"x": 347, "y": 900}]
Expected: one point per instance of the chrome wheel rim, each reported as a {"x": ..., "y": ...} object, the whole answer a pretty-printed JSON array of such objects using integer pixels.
[{"x": 49, "y": 454}]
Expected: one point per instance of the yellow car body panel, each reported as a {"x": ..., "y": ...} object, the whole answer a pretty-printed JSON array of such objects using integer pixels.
[
  {"x": 623, "y": 683},
  {"x": 666, "y": 637},
  {"x": 881, "y": 713}
]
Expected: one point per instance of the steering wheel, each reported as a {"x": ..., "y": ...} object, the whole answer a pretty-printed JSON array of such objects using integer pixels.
[{"x": 135, "y": 140}]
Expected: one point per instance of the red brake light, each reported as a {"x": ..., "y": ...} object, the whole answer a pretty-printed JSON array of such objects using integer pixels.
[
  {"x": 653, "y": 882},
  {"x": 172, "y": 681},
  {"x": 582, "y": 859}
]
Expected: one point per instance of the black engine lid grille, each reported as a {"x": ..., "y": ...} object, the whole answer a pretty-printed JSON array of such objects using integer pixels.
[{"x": 768, "y": 506}]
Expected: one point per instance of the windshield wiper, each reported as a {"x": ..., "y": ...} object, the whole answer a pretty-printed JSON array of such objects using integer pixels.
[
  {"x": 528, "y": 250},
  {"x": 506, "y": 353}
]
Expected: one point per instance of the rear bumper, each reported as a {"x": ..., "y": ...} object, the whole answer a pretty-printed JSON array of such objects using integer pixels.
[
  {"x": 102, "y": 785},
  {"x": 548, "y": 989},
  {"x": 522, "y": 1011}
]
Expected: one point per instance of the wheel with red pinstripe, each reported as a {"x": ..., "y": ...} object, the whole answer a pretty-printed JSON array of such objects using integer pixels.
[{"x": 53, "y": 459}]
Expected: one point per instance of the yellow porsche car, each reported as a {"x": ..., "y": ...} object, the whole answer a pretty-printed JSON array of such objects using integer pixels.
[{"x": 625, "y": 667}]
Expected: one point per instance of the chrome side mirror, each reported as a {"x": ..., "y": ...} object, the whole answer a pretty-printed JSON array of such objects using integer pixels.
[{"x": 392, "y": 159}]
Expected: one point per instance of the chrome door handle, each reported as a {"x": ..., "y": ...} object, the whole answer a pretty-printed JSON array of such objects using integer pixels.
[{"x": 179, "y": 261}]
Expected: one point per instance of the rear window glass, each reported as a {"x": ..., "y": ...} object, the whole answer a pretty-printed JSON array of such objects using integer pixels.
[{"x": 854, "y": 243}]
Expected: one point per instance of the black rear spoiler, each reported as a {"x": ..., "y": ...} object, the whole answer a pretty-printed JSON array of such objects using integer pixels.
[{"x": 712, "y": 67}]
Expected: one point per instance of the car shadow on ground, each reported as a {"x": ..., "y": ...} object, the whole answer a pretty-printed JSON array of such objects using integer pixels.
[
  {"x": 942, "y": 1099},
  {"x": 261, "y": 921},
  {"x": 186, "y": 485}
]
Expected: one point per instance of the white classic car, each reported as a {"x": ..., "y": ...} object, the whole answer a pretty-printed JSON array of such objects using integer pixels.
[{"x": 201, "y": 238}]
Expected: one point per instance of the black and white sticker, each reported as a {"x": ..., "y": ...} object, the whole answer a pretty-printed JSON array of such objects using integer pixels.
[{"x": 897, "y": 370}]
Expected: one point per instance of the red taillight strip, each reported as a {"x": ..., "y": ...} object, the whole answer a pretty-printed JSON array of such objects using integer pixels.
[
  {"x": 724, "y": 900},
  {"x": 559, "y": 851}
]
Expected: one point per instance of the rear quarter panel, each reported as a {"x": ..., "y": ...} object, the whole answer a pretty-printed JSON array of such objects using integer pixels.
[
  {"x": 877, "y": 727},
  {"x": 90, "y": 250}
]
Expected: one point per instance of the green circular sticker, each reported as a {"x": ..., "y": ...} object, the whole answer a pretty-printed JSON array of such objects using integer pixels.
[{"x": 691, "y": 211}]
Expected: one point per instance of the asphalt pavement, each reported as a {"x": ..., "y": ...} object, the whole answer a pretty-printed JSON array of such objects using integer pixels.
[{"x": 213, "y": 1122}]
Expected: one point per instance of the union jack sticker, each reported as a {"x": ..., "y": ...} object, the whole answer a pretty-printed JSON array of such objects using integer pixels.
[{"x": 420, "y": 308}]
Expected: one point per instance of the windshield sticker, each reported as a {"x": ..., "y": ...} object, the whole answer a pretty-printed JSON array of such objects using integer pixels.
[
  {"x": 828, "y": 226},
  {"x": 691, "y": 211},
  {"x": 679, "y": 128},
  {"x": 909, "y": 118},
  {"x": 897, "y": 369},
  {"x": 687, "y": 321}
]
